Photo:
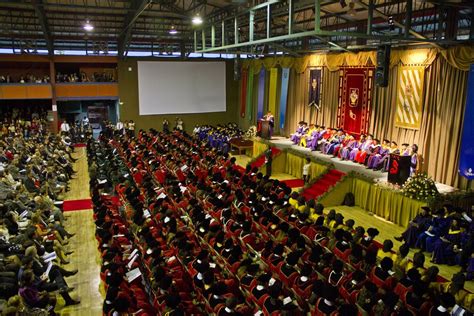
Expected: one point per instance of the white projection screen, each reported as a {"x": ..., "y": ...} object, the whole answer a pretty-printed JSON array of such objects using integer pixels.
[{"x": 181, "y": 87}]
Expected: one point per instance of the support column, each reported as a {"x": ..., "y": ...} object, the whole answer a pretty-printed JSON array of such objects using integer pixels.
[{"x": 54, "y": 107}]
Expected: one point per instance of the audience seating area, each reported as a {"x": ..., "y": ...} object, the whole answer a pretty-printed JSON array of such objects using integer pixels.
[
  {"x": 35, "y": 169},
  {"x": 183, "y": 230}
]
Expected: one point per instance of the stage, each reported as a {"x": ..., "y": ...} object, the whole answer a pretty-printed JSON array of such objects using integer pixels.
[{"x": 344, "y": 165}]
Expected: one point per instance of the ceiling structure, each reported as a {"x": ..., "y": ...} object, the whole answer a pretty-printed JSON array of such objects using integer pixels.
[{"x": 256, "y": 27}]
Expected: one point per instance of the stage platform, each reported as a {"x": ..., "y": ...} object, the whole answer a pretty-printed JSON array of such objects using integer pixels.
[{"x": 344, "y": 165}]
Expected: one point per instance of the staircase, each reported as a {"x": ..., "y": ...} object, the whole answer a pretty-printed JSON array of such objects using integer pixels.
[
  {"x": 260, "y": 161},
  {"x": 322, "y": 185}
]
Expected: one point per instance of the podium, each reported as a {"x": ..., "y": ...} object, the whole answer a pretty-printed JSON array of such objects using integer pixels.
[
  {"x": 264, "y": 129},
  {"x": 399, "y": 169}
]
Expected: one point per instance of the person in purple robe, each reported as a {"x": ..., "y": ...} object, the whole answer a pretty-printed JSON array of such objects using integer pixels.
[
  {"x": 350, "y": 143},
  {"x": 374, "y": 149},
  {"x": 414, "y": 159},
  {"x": 418, "y": 225},
  {"x": 357, "y": 147},
  {"x": 361, "y": 149},
  {"x": 335, "y": 140},
  {"x": 300, "y": 131},
  {"x": 384, "y": 161},
  {"x": 313, "y": 144},
  {"x": 374, "y": 159},
  {"x": 313, "y": 137}
]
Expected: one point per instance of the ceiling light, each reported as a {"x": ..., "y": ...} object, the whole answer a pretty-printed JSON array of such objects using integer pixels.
[
  {"x": 197, "y": 20},
  {"x": 88, "y": 26},
  {"x": 343, "y": 3},
  {"x": 173, "y": 30}
]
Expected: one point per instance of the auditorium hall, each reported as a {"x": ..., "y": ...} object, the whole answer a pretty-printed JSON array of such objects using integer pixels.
[{"x": 237, "y": 157}]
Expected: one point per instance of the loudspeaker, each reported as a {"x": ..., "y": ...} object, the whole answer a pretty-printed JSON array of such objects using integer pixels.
[
  {"x": 383, "y": 65},
  {"x": 236, "y": 69}
]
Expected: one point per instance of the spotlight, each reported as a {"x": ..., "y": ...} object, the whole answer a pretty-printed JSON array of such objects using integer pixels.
[
  {"x": 173, "y": 30},
  {"x": 197, "y": 20},
  {"x": 343, "y": 3},
  {"x": 88, "y": 26}
]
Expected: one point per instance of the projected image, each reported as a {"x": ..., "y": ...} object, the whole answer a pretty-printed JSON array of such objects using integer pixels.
[{"x": 181, "y": 87}]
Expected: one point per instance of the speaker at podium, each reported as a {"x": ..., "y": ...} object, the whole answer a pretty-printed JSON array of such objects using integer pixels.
[
  {"x": 264, "y": 129},
  {"x": 399, "y": 169}
]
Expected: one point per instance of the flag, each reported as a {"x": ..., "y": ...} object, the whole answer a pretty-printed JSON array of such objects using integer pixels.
[
  {"x": 243, "y": 92},
  {"x": 261, "y": 93},
  {"x": 285, "y": 76},
  {"x": 466, "y": 157},
  {"x": 272, "y": 90},
  {"x": 315, "y": 87},
  {"x": 249, "y": 107},
  {"x": 410, "y": 97}
]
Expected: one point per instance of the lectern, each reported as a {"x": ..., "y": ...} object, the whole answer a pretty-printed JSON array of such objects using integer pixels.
[
  {"x": 399, "y": 169},
  {"x": 264, "y": 129}
]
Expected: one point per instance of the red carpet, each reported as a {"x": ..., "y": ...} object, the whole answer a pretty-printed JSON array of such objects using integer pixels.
[
  {"x": 80, "y": 145},
  {"x": 294, "y": 183},
  {"x": 77, "y": 205},
  {"x": 260, "y": 161},
  {"x": 322, "y": 185}
]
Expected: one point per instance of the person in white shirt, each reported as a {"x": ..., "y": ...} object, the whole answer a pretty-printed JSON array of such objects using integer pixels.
[
  {"x": 65, "y": 128},
  {"x": 306, "y": 168},
  {"x": 119, "y": 126}
]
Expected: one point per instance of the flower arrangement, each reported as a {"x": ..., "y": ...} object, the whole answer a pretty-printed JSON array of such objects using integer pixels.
[{"x": 420, "y": 187}]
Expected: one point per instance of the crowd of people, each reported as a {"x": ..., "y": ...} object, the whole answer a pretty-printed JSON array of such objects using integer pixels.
[
  {"x": 218, "y": 136},
  {"x": 25, "y": 121},
  {"x": 27, "y": 78},
  {"x": 192, "y": 233},
  {"x": 34, "y": 250},
  {"x": 84, "y": 77},
  {"x": 365, "y": 150}
]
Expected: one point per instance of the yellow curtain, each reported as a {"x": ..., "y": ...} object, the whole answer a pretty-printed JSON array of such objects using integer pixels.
[
  {"x": 383, "y": 202},
  {"x": 258, "y": 148},
  {"x": 459, "y": 57},
  {"x": 295, "y": 163}
]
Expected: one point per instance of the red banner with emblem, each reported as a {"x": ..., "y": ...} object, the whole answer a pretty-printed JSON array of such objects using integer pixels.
[{"x": 355, "y": 99}]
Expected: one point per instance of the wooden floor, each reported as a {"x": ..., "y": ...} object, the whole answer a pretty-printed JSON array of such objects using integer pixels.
[{"x": 85, "y": 257}]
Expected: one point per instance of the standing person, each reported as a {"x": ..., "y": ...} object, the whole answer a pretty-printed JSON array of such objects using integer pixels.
[
  {"x": 306, "y": 167},
  {"x": 119, "y": 127},
  {"x": 166, "y": 126},
  {"x": 179, "y": 124},
  {"x": 65, "y": 128},
  {"x": 131, "y": 128},
  {"x": 268, "y": 161},
  {"x": 271, "y": 122}
]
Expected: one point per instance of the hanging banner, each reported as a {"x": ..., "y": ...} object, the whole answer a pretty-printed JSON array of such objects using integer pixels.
[
  {"x": 466, "y": 156},
  {"x": 261, "y": 93},
  {"x": 355, "y": 99},
  {"x": 243, "y": 92},
  {"x": 285, "y": 76},
  {"x": 272, "y": 90},
  {"x": 410, "y": 96},
  {"x": 249, "y": 108},
  {"x": 315, "y": 76}
]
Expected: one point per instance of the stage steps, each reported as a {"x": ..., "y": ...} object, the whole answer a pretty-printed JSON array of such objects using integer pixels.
[{"x": 323, "y": 184}]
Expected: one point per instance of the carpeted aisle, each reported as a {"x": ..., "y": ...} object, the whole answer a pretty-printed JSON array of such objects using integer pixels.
[{"x": 77, "y": 205}]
